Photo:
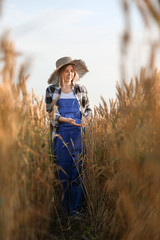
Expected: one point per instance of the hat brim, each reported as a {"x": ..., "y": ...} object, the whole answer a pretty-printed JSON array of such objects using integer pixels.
[{"x": 80, "y": 66}]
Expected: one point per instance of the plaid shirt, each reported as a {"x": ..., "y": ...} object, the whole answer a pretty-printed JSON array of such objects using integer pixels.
[{"x": 52, "y": 96}]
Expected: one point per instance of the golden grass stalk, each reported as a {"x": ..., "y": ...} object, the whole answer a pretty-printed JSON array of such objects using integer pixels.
[
  {"x": 123, "y": 166},
  {"x": 26, "y": 168}
]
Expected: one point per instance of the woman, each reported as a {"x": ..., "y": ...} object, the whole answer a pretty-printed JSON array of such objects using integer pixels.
[{"x": 72, "y": 114}]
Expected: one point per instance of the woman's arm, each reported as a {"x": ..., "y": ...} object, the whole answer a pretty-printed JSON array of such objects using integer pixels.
[
  {"x": 48, "y": 100},
  {"x": 85, "y": 103},
  {"x": 87, "y": 111},
  {"x": 68, "y": 120}
]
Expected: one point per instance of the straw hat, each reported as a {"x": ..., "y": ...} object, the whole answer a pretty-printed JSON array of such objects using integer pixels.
[{"x": 78, "y": 63}]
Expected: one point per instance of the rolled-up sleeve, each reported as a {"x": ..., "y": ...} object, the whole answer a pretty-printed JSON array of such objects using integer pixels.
[{"x": 57, "y": 114}]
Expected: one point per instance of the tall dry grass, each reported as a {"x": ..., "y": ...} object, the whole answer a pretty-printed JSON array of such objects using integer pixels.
[
  {"x": 122, "y": 185},
  {"x": 26, "y": 168},
  {"x": 123, "y": 177},
  {"x": 123, "y": 166}
]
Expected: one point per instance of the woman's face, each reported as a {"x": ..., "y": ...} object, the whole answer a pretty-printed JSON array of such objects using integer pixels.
[{"x": 67, "y": 74}]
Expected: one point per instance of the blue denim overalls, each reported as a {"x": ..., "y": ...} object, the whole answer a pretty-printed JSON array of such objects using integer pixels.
[{"x": 68, "y": 153}]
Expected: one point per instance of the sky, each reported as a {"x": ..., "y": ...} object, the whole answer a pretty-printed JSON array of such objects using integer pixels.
[{"x": 91, "y": 30}]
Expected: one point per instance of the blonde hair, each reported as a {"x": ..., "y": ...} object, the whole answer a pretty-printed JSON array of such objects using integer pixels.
[{"x": 62, "y": 69}]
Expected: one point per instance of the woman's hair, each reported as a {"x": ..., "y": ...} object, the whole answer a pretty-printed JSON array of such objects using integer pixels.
[{"x": 76, "y": 77}]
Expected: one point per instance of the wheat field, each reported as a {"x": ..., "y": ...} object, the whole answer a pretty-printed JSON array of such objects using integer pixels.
[{"x": 123, "y": 161}]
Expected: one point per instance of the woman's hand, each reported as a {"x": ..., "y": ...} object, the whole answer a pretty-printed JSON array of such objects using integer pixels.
[
  {"x": 72, "y": 121},
  {"x": 69, "y": 120}
]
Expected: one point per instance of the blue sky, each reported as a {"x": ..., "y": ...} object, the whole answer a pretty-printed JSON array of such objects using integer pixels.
[{"x": 88, "y": 29}]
